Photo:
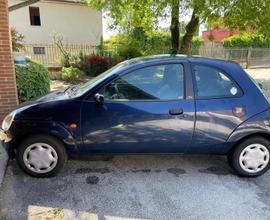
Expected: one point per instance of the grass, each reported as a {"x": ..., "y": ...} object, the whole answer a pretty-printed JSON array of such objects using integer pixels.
[{"x": 58, "y": 213}]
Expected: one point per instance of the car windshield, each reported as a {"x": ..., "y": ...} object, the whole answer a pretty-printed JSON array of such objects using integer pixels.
[{"x": 83, "y": 88}]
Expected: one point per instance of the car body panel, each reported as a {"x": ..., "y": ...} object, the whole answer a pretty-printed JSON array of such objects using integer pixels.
[
  {"x": 215, "y": 118},
  {"x": 258, "y": 124},
  {"x": 24, "y": 128},
  {"x": 137, "y": 127}
]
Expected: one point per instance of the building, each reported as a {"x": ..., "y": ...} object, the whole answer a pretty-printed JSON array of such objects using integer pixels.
[
  {"x": 78, "y": 23},
  {"x": 217, "y": 34}
]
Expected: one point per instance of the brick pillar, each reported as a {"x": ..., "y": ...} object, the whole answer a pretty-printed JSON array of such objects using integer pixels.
[{"x": 8, "y": 91}]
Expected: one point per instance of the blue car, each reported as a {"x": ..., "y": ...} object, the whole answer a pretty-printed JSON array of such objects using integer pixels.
[{"x": 152, "y": 105}]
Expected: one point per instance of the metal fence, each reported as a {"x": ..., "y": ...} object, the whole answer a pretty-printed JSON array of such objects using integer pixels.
[
  {"x": 247, "y": 57},
  {"x": 49, "y": 54}
]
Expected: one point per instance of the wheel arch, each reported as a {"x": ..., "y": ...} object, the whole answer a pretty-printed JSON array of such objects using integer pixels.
[
  {"x": 240, "y": 140},
  {"x": 57, "y": 131}
]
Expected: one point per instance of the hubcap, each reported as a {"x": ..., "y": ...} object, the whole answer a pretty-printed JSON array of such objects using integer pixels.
[
  {"x": 254, "y": 158},
  {"x": 40, "y": 157}
]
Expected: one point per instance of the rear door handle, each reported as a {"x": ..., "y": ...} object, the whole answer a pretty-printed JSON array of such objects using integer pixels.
[{"x": 176, "y": 111}]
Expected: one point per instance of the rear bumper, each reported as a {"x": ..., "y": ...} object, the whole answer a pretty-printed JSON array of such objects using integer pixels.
[{"x": 4, "y": 136}]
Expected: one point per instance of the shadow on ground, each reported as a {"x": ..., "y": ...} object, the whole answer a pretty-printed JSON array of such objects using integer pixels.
[{"x": 143, "y": 187}]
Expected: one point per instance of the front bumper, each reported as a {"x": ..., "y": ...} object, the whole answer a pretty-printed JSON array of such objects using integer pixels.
[{"x": 4, "y": 136}]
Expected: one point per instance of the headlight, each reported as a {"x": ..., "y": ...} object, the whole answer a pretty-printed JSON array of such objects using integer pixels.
[{"x": 7, "y": 122}]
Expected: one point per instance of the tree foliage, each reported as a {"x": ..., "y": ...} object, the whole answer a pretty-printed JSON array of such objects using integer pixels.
[
  {"x": 248, "y": 14},
  {"x": 128, "y": 15}
]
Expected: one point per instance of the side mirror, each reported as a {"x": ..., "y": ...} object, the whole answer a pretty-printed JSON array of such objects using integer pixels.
[{"x": 99, "y": 98}]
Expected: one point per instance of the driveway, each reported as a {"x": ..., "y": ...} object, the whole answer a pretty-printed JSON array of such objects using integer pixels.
[
  {"x": 139, "y": 187},
  {"x": 143, "y": 187}
]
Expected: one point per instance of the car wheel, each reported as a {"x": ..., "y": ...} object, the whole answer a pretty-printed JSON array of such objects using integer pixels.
[
  {"x": 250, "y": 158},
  {"x": 41, "y": 156}
]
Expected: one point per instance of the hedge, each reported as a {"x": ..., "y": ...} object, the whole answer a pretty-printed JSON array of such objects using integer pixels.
[
  {"x": 32, "y": 80},
  {"x": 245, "y": 40}
]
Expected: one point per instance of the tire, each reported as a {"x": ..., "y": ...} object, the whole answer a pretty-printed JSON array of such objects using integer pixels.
[
  {"x": 250, "y": 158},
  {"x": 41, "y": 156}
]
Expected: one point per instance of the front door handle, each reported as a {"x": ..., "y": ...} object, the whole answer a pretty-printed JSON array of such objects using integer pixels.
[{"x": 176, "y": 111}]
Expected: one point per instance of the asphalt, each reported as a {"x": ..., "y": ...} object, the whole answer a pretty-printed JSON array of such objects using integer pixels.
[
  {"x": 3, "y": 162},
  {"x": 138, "y": 187}
]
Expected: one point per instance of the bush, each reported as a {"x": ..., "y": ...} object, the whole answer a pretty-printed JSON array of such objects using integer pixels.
[
  {"x": 78, "y": 61},
  {"x": 32, "y": 80},
  {"x": 55, "y": 75},
  {"x": 64, "y": 60},
  {"x": 247, "y": 40},
  {"x": 125, "y": 46},
  {"x": 128, "y": 51},
  {"x": 96, "y": 65},
  {"x": 112, "y": 57},
  {"x": 71, "y": 74},
  {"x": 196, "y": 43},
  {"x": 159, "y": 42}
]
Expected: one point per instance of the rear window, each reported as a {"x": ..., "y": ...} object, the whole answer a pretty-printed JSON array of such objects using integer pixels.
[{"x": 213, "y": 83}]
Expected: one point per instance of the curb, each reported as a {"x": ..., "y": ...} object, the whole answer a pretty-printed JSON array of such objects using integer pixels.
[{"x": 3, "y": 162}]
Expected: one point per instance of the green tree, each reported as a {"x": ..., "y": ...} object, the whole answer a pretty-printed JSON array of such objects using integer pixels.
[
  {"x": 146, "y": 14},
  {"x": 248, "y": 14}
]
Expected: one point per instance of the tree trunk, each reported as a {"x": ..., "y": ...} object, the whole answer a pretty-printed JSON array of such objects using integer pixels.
[
  {"x": 175, "y": 4},
  {"x": 190, "y": 31}
]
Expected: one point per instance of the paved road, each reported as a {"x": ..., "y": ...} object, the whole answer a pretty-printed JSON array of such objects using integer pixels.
[{"x": 143, "y": 187}]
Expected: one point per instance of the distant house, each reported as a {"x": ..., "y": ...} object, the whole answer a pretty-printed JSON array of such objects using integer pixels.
[
  {"x": 77, "y": 22},
  {"x": 217, "y": 34},
  {"x": 80, "y": 25}
]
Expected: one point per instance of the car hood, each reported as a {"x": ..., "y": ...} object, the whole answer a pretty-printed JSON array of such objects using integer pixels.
[
  {"x": 53, "y": 96},
  {"x": 41, "y": 105}
]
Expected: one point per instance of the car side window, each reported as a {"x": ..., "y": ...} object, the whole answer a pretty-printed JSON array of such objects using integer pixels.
[
  {"x": 159, "y": 82},
  {"x": 213, "y": 83}
]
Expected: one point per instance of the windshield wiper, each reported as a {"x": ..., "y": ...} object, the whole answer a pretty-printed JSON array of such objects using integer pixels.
[{"x": 72, "y": 89}]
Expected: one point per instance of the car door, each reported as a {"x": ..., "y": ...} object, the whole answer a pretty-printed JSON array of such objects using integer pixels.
[
  {"x": 221, "y": 107},
  {"x": 147, "y": 110}
]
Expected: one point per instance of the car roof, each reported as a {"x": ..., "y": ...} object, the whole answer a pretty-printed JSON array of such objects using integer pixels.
[{"x": 189, "y": 58}]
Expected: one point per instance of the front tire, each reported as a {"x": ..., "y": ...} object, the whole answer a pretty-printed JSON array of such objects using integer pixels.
[
  {"x": 41, "y": 156},
  {"x": 251, "y": 157}
]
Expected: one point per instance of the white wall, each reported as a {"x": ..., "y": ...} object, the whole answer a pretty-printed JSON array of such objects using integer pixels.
[{"x": 77, "y": 23}]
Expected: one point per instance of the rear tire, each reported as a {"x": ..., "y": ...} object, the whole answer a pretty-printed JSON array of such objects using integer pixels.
[
  {"x": 250, "y": 158},
  {"x": 41, "y": 156}
]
